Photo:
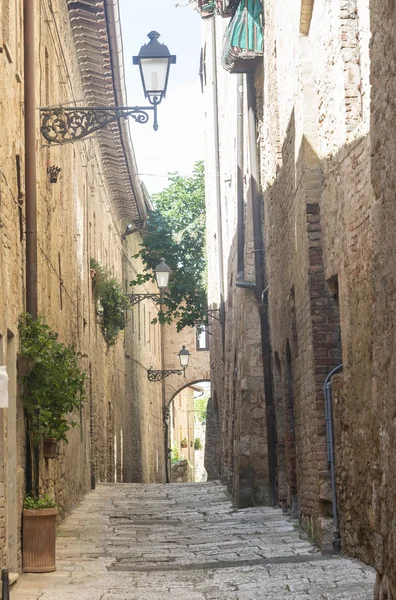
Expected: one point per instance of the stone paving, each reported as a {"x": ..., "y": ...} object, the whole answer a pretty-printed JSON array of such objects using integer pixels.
[{"x": 185, "y": 541}]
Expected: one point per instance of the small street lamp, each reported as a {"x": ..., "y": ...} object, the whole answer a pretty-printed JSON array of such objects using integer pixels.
[
  {"x": 184, "y": 357},
  {"x": 65, "y": 124},
  {"x": 157, "y": 375},
  {"x": 162, "y": 273}
]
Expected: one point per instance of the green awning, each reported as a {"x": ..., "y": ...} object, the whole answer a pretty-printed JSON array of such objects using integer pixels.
[{"x": 244, "y": 35}]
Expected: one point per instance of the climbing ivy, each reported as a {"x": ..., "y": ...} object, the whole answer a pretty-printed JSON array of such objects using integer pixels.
[{"x": 111, "y": 303}]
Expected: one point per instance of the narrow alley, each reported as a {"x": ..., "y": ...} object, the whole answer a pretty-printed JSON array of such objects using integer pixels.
[{"x": 162, "y": 542}]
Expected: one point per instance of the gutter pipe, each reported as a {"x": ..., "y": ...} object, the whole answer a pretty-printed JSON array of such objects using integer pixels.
[
  {"x": 261, "y": 287},
  {"x": 30, "y": 157},
  {"x": 240, "y": 278},
  {"x": 29, "y": 67},
  {"x": 330, "y": 454},
  {"x": 217, "y": 170},
  {"x": 240, "y": 198}
]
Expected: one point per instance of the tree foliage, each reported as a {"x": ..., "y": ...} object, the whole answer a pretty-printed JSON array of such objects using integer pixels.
[
  {"x": 55, "y": 386},
  {"x": 200, "y": 409},
  {"x": 176, "y": 231}
]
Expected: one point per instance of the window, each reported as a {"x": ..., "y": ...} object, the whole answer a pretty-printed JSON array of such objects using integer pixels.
[{"x": 202, "y": 337}]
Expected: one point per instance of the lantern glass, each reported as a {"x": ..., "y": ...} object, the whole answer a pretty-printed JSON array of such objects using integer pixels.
[{"x": 154, "y": 72}]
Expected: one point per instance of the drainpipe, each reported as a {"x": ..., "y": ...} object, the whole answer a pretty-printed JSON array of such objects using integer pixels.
[
  {"x": 30, "y": 158},
  {"x": 165, "y": 409},
  {"x": 261, "y": 287},
  {"x": 240, "y": 280},
  {"x": 240, "y": 198},
  {"x": 32, "y": 458},
  {"x": 330, "y": 455},
  {"x": 217, "y": 170}
]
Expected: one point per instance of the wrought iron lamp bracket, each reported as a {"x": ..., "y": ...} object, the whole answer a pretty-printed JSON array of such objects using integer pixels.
[
  {"x": 136, "y": 298},
  {"x": 154, "y": 375},
  {"x": 211, "y": 314},
  {"x": 65, "y": 124}
]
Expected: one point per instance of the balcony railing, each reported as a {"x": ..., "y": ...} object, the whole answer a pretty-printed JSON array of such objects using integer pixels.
[
  {"x": 225, "y": 8},
  {"x": 243, "y": 40}
]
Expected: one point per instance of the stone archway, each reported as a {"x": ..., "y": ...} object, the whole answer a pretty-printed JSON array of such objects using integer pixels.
[
  {"x": 186, "y": 385},
  {"x": 186, "y": 431}
]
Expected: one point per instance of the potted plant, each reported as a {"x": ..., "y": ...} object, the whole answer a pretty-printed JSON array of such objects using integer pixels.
[
  {"x": 197, "y": 444},
  {"x": 184, "y": 443},
  {"x": 55, "y": 386},
  {"x": 39, "y": 535}
]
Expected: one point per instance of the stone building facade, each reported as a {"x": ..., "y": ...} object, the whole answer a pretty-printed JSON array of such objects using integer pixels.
[
  {"x": 78, "y": 59},
  {"x": 322, "y": 128}
]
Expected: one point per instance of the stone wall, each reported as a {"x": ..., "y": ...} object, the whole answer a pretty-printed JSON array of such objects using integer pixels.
[
  {"x": 315, "y": 175},
  {"x": 235, "y": 344},
  {"x": 182, "y": 472},
  {"x": 143, "y": 350},
  {"x": 12, "y": 252},
  {"x": 78, "y": 218},
  {"x": 326, "y": 154}
]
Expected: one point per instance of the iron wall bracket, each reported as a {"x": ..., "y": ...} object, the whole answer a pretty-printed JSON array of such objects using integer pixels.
[
  {"x": 62, "y": 125},
  {"x": 154, "y": 375},
  {"x": 136, "y": 298}
]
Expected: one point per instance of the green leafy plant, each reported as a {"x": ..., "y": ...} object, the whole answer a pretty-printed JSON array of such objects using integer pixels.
[
  {"x": 176, "y": 231},
  {"x": 55, "y": 386},
  {"x": 200, "y": 409},
  {"x": 198, "y": 444},
  {"x": 111, "y": 303},
  {"x": 184, "y": 443},
  {"x": 33, "y": 503},
  {"x": 175, "y": 453}
]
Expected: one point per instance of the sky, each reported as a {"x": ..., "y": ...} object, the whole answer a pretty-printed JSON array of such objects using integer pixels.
[{"x": 178, "y": 143}]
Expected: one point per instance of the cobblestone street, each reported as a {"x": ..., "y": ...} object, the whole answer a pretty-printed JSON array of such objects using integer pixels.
[{"x": 163, "y": 542}]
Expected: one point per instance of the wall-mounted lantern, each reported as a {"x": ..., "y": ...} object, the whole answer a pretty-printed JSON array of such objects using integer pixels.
[
  {"x": 162, "y": 273},
  {"x": 64, "y": 124},
  {"x": 157, "y": 375}
]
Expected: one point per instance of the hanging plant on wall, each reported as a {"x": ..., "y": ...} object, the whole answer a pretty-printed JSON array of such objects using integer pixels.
[
  {"x": 54, "y": 386},
  {"x": 111, "y": 303}
]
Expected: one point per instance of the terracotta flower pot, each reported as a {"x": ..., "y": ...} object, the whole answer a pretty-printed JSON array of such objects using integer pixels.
[
  {"x": 50, "y": 446},
  {"x": 183, "y": 445},
  {"x": 39, "y": 535}
]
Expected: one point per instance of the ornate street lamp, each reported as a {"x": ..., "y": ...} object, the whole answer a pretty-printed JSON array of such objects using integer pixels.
[
  {"x": 64, "y": 124},
  {"x": 157, "y": 375},
  {"x": 154, "y": 60},
  {"x": 162, "y": 273},
  {"x": 184, "y": 357}
]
